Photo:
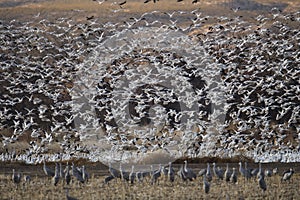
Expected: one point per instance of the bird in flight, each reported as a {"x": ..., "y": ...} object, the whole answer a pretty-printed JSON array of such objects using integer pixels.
[{"x": 122, "y": 3}]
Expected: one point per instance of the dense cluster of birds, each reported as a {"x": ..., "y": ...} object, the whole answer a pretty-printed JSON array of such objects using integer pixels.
[
  {"x": 240, "y": 94},
  {"x": 236, "y": 175}
]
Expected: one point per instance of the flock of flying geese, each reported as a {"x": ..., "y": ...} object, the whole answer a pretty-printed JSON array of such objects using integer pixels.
[
  {"x": 166, "y": 173},
  {"x": 257, "y": 59}
]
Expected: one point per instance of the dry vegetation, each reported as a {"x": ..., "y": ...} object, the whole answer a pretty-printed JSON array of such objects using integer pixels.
[
  {"x": 41, "y": 187},
  {"x": 119, "y": 190}
]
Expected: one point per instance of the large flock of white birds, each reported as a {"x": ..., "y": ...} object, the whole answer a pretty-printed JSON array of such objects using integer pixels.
[{"x": 179, "y": 82}]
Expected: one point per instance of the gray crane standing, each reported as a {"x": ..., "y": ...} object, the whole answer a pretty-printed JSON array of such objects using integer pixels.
[
  {"x": 260, "y": 172},
  {"x": 49, "y": 172},
  {"x": 206, "y": 185},
  {"x": 124, "y": 175},
  {"x": 132, "y": 175},
  {"x": 188, "y": 172},
  {"x": 85, "y": 175},
  {"x": 208, "y": 173},
  {"x": 227, "y": 173},
  {"x": 171, "y": 173},
  {"x": 77, "y": 173},
  {"x": 156, "y": 174},
  {"x": 181, "y": 173},
  {"x": 67, "y": 175},
  {"x": 115, "y": 173},
  {"x": 218, "y": 172},
  {"x": 244, "y": 171},
  {"x": 287, "y": 175},
  {"x": 262, "y": 183},
  {"x": 16, "y": 177},
  {"x": 55, "y": 178},
  {"x": 233, "y": 177}
]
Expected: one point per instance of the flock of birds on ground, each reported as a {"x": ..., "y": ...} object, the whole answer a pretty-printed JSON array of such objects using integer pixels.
[
  {"x": 244, "y": 174},
  {"x": 244, "y": 84}
]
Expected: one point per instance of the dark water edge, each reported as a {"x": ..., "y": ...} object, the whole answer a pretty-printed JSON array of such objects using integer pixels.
[{"x": 99, "y": 169}]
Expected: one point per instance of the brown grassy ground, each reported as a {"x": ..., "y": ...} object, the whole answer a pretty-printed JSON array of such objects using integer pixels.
[{"x": 42, "y": 188}]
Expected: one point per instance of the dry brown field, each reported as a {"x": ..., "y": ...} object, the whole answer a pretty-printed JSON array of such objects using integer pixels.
[{"x": 41, "y": 187}]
